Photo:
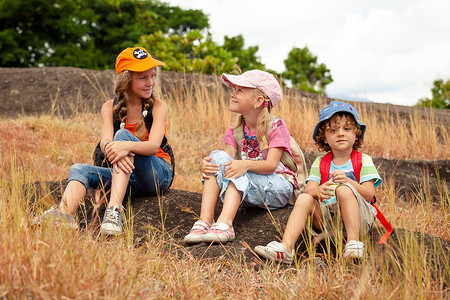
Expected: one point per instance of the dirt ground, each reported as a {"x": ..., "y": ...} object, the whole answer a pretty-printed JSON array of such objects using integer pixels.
[
  {"x": 65, "y": 90},
  {"x": 174, "y": 213}
]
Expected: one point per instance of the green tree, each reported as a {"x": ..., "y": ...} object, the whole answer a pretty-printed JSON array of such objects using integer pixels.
[
  {"x": 190, "y": 52},
  {"x": 304, "y": 72},
  {"x": 440, "y": 95},
  {"x": 83, "y": 33},
  {"x": 247, "y": 58}
]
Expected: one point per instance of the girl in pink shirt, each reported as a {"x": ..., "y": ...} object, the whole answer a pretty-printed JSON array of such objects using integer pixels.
[{"x": 259, "y": 178}]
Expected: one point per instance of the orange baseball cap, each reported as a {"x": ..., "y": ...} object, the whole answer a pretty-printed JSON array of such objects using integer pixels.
[{"x": 136, "y": 59}]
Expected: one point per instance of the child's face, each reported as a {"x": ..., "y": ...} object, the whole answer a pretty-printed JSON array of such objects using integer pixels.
[
  {"x": 341, "y": 134},
  {"x": 143, "y": 83},
  {"x": 242, "y": 100}
]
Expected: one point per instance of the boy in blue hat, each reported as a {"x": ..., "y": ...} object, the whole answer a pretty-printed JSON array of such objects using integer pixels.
[{"x": 340, "y": 133}]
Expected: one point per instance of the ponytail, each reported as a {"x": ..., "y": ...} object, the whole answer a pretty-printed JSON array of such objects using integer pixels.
[{"x": 141, "y": 130}]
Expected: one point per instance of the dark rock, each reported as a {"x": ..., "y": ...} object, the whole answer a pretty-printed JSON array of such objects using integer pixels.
[{"x": 173, "y": 214}]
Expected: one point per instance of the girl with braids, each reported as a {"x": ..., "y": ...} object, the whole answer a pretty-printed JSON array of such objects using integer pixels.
[
  {"x": 259, "y": 178},
  {"x": 140, "y": 166}
]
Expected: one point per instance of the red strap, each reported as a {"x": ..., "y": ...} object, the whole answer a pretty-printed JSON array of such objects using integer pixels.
[
  {"x": 324, "y": 167},
  {"x": 357, "y": 164},
  {"x": 386, "y": 225}
]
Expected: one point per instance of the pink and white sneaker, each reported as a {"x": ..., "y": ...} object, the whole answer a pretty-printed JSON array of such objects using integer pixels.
[
  {"x": 219, "y": 233},
  {"x": 197, "y": 232}
]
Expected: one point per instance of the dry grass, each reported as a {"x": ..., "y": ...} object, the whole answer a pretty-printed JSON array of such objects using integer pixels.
[{"x": 51, "y": 263}]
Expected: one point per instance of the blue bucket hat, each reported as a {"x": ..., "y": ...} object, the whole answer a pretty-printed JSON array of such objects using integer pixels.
[{"x": 336, "y": 106}]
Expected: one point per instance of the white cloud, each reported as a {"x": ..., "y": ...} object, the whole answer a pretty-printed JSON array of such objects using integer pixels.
[{"x": 387, "y": 51}]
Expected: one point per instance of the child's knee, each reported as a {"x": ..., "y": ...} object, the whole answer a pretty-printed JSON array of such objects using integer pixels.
[
  {"x": 78, "y": 169},
  {"x": 344, "y": 193},
  {"x": 305, "y": 200},
  {"x": 219, "y": 157},
  {"x": 123, "y": 135}
]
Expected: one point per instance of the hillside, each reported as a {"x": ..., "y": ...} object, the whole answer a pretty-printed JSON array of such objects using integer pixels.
[{"x": 66, "y": 90}]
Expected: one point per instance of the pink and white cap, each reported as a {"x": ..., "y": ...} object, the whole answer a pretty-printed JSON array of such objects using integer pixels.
[{"x": 263, "y": 81}]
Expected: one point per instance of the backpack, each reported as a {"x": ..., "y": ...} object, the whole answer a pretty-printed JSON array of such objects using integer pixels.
[
  {"x": 296, "y": 162},
  {"x": 100, "y": 159},
  {"x": 356, "y": 159}
]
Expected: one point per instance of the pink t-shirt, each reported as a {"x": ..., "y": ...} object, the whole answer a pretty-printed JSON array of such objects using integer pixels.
[{"x": 251, "y": 149}]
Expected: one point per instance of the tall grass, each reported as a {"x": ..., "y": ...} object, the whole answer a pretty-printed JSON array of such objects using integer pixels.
[{"x": 56, "y": 263}]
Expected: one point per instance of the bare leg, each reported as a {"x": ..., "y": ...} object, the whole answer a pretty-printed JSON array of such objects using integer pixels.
[
  {"x": 119, "y": 185},
  {"x": 210, "y": 196},
  {"x": 350, "y": 211},
  {"x": 231, "y": 203},
  {"x": 73, "y": 196},
  {"x": 304, "y": 206}
]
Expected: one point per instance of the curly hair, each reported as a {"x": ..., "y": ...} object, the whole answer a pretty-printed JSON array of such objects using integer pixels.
[
  {"x": 123, "y": 86},
  {"x": 323, "y": 146}
]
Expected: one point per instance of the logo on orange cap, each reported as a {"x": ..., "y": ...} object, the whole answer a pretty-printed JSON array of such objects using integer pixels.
[
  {"x": 139, "y": 53},
  {"x": 136, "y": 59}
]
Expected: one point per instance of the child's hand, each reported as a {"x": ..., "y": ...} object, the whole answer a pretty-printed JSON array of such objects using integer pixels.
[
  {"x": 117, "y": 150},
  {"x": 326, "y": 190},
  {"x": 235, "y": 168},
  {"x": 207, "y": 168},
  {"x": 338, "y": 176},
  {"x": 124, "y": 164}
]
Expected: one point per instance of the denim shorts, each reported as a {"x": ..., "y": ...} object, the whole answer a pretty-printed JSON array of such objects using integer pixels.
[
  {"x": 150, "y": 175},
  {"x": 257, "y": 189}
]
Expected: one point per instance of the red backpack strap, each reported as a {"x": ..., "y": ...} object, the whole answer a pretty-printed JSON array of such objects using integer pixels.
[
  {"x": 386, "y": 225},
  {"x": 357, "y": 164},
  {"x": 324, "y": 167}
]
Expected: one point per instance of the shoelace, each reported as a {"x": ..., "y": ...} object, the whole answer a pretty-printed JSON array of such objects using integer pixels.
[
  {"x": 114, "y": 215},
  {"x": 51, "y": 210}
]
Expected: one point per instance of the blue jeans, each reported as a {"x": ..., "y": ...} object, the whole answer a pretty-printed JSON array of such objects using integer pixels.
[
  {"x": 150, "y": 175},
  {"x": 257, "y": 189}
]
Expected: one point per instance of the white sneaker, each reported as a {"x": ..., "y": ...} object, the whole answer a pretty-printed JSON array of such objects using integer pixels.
[
  {"x": 354, "y": 249},
  {"x": 112, "y": 221},
  {"x": 55, "y": 216},
  {"x": 275, "y": 251}
]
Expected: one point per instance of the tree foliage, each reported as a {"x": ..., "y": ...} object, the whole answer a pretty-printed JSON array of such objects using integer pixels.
[
  {"x": 247, "y": 58},
  {"x": 83, "y": 33},
  {"x": 440, "y": 95},
  {"x": 90, "y": 33},
  {"x": 304, "y": 72},
  {"x": 190, "y": 52},
  {"x": 195, "y": 52}
]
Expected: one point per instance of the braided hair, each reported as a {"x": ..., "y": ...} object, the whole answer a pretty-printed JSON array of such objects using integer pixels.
[{"x": 123, "y": 85}]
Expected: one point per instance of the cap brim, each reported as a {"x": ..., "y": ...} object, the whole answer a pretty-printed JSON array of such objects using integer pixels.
[
  {"x": 239, "y": 80},
  {"x": 141, "y": 67}
]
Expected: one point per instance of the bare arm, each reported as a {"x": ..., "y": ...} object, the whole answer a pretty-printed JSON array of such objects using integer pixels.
[{"x": 107, "y": 132}]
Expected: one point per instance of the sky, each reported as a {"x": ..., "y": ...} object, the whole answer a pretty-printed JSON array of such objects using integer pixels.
[{"x": 381, "y": 51}]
